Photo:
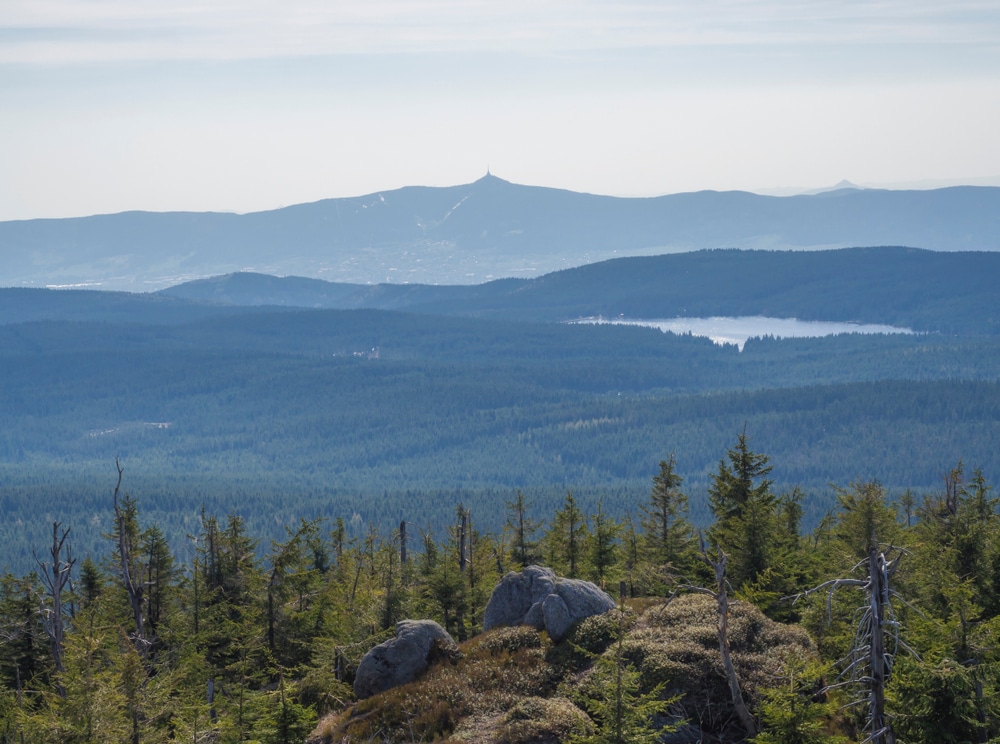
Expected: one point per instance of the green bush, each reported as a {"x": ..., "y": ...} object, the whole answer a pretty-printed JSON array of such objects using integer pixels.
[{"x": 595, "y": 633}]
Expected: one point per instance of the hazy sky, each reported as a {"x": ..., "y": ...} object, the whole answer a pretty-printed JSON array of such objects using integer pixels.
[{"x": 108, "y": 105}]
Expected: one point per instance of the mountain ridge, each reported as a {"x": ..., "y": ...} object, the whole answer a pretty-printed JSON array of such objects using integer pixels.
[
  {"x": 893, "y": 285},
  {"x": 472, "y": 233}
]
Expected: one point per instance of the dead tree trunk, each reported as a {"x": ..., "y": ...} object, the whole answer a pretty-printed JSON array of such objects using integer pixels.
[
  {"x": 869, "y": 663},
  {"x": 55, "y": 576},
  {"x": 133, "y": 589},
  {"x": 878, "y": 660},
  {"x": 721, "y": 595},
  {"x": 463, "y": 530}
]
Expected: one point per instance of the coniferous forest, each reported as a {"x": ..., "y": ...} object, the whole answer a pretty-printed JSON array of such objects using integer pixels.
[
  {"x": 880, "y": 622},
  {"x": 212, "y": 512},
  {"x": 286, "y": 413}
]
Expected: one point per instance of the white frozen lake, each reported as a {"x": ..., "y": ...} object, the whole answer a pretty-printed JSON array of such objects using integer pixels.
[{"x": 738, "y": 330}]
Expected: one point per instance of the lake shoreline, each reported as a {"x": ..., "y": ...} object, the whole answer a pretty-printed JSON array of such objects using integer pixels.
[{"x": 736, "y": 331}]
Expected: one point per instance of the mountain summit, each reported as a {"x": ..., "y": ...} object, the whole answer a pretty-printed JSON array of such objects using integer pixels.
[{"x": 472, "y": 233}]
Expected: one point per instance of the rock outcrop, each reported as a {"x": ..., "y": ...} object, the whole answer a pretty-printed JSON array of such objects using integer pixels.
[
  {"x": 401, "y": 659},
  {"x": 539, "y": 598}
]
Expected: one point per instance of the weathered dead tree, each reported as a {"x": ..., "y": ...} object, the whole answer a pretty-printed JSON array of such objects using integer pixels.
[
  {"x": 55, "y": 576},
  {"x": 126, "y": 548},
  {"x": 472, "y": 565},
  {"x": 463, "y": 533},
  {"x": 868, "y": 664},
  {"x": 721, "y": 596}
]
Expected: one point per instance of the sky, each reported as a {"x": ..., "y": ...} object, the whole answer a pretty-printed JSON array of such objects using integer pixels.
[{"x": 244, "y": 105}]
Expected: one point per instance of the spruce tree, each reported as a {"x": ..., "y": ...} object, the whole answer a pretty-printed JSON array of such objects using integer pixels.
[
  {"x": 744, "y": 508},
  {"x": 292, "y": 584},
  {"x": 667, "y": 536},
  {"x": 566, "y": 539},
  {"x": 603, "y": 544},
  {"x": 160, "y": 575},
  {"x": 625, "y": 713},
  {"x": 522, "y": 528},
  {"x": 951, "y": 692},
  {"x": 22, "y": 640}
]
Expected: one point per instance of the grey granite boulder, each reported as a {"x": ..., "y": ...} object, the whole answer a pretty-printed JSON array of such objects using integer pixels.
[
  {"x": 556, "y": 615},
  {"x": 401, "y": 659},
  {"x": 539, "y": 598}
]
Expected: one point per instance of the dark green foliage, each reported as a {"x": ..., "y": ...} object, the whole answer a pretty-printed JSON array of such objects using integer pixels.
[
  {"x": 667, "y": 540},
  {"x": 949, "y": 692},
  {"x": 23, "y": 652},
  {"x": 270, "y": 413},
  {"x": 935, "y": 701},
  {"x": 521, "y": 528},
  {"x": 283, "y": 719},
  {"x": 625, "y": 714},
  {"x": 603, "y": 544},
  {"x": 91, "y": 581},
  {"x": 566, "y": 539},
  {"x": 866, "y": 519},
  {"x": 159, "y": 575},
  {"x": 292, "y": 590},
  {"x": 270, "y": 418},
  {"x": 799, "y": 710},
  {"x": 744, "y": 509}
]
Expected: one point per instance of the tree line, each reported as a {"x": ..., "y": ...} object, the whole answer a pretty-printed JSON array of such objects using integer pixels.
[{"x": 238, "y": 641}]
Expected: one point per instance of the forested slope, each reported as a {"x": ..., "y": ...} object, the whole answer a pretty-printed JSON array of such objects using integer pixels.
[
  {"x": 951, "y": 293},
  {"x": 749, "y": 627},
  {"x": 296, "y": 413}
]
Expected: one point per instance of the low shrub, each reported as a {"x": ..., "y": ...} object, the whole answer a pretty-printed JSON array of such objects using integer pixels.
[
  {"x": 510, "y": 639},
  {"x": 536, "y": 720},
  {"x": 595, "y": 633},
  {"x": 677, "y": 645}
]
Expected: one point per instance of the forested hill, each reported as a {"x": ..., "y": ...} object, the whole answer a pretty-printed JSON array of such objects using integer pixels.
[
  {"x": 471, "y": 233},
  {"x": 285, "y": 414},
  {"x": 281, "y": 412},
  {"x": 954, "y": 293}
]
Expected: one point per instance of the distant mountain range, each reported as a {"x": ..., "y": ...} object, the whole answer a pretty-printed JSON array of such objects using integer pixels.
[
  {"x": 956, "y": 293},
  {"x": 473, "y": 233}
]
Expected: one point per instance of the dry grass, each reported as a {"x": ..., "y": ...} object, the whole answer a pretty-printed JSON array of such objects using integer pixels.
[
  {"x": 497, "y": 670},
  {"x": 678, "y": 645},
  {"x": 503, "y": 687}
]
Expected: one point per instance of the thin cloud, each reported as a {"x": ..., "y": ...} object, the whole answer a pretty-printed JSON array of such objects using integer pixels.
[{"x": 67, "y": 31}]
